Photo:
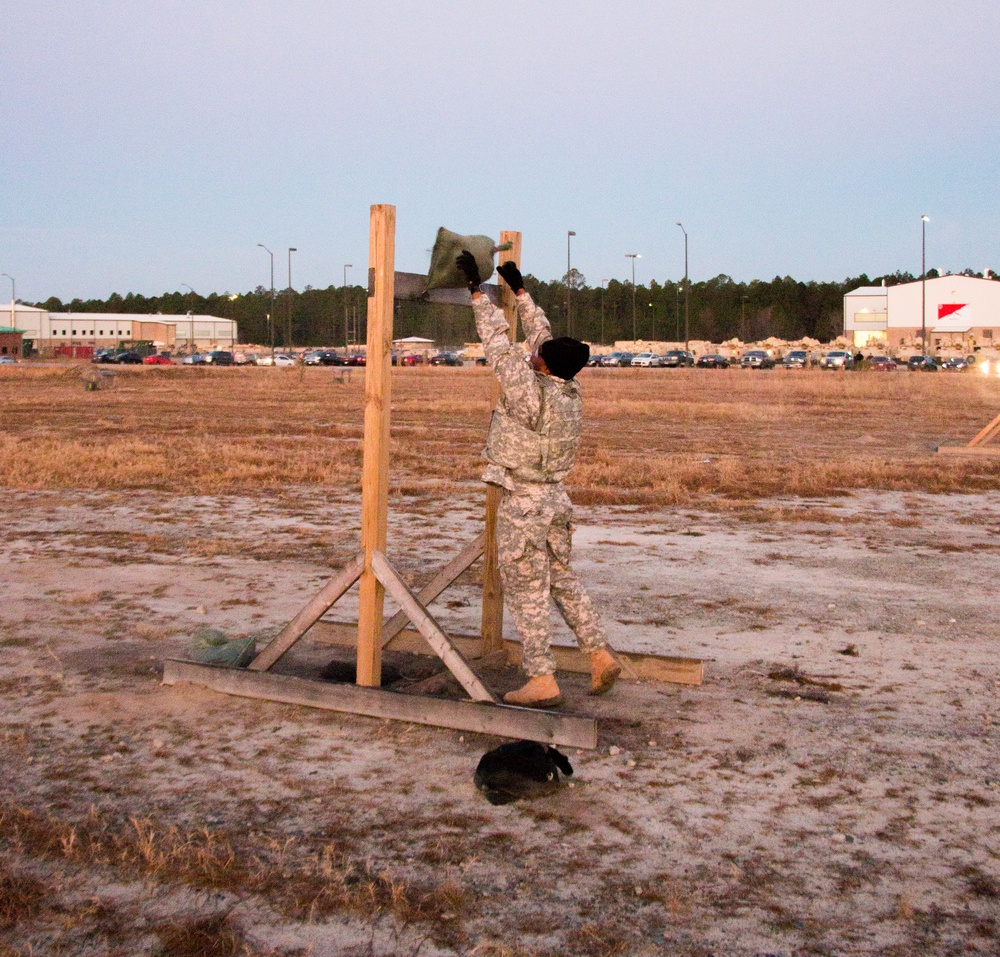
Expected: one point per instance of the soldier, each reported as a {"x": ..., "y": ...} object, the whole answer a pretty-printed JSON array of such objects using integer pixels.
[{"x": 531, "y": 445}]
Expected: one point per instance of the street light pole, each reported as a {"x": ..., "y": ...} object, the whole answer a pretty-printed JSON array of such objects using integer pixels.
[
  {"x": 190, "y": 316},
  {"x": 687, "y": 292},
  {"x": 13, "y": 300},
  {"x": 347, "y": 334},
  {"x": 743, "y": 318},
  {"x": 633, "y": 257},
  {"x": 923, "y": 283},
  {"x": 271, "y": 316},
  {"x": 569, "y": 287},
  {"x": 604, "y": 289},
  {"x": 288, "y": 338}
]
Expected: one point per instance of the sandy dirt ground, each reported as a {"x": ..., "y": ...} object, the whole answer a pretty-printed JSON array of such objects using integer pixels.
[{"x": 832, "y": 787}]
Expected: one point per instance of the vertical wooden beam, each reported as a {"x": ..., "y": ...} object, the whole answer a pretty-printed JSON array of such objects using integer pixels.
[
  {"x": 375, "y": 468},
  {"x": 492, "y": 620}
]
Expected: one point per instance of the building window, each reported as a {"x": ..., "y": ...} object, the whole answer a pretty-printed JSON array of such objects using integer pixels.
[
  {"x": 987, "y": 333},
  {"x": 74, "y": 332}
]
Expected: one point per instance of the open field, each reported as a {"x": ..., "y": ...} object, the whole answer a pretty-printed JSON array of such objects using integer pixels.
[{"x": 832, "y": 788}]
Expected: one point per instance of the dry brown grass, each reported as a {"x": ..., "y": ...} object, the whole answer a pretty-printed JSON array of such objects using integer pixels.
[
  {"x": 303, "y": 884},
  {"x": 654, "y": 437}
]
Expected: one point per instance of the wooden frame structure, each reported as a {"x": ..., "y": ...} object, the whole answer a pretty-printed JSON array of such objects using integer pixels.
[
  {"x": 978, "y": 445},
  {"x": 376, "y": 575}
]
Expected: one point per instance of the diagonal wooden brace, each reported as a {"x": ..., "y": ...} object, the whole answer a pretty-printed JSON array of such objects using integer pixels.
[
  {"x": 317, "y": 606},
  {"x": 428, "y": 627},
  {"x": 436, "y": 585}
]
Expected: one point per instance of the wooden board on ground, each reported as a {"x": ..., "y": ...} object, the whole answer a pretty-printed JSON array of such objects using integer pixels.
[
  {"x": 971, "y": 451},
  {"x": 501, "y": 720},
  {"x": 685, "y": 671}
]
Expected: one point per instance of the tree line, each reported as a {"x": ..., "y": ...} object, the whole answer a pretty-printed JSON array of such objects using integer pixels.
[{"x": 717, "y": 310}]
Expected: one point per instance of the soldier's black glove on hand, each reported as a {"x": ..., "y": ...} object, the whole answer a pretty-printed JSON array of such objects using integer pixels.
[
  {"x": 512, "y": 276},
  {"x": 467, "y": 266}
]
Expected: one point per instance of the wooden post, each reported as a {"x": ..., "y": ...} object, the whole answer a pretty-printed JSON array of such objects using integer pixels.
[
  {"x": 492, "y": 619},
  {"x": 375, "y": 468}
]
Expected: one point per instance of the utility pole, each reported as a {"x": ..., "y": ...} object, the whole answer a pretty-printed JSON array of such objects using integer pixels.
[
  {"x": 347, "y": 327},
  {"x": 687, "y": 292},
  {"x": 923, "y": 284},
  {"x": 270, "y": 318},
  {"x": 288, "y": 337},
  {"x": 633, "y": 257},
  {"x": 569, "y": 287}
]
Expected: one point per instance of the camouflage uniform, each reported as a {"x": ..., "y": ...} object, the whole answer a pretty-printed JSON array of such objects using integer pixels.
[{"x": 532, "y": 443}]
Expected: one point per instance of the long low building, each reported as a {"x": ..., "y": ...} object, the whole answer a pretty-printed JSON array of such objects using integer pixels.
[
  {"x": 959, "y": 313},
  {"x": 48, "y": 331}
]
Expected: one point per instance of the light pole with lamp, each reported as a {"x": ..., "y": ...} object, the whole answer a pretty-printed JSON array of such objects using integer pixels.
[
  {"x": 271, "y": 316},
  {"x": 347, "y": 333},
  {"x": 743, "y": 318},
  {"x": 13, "y": 300},
  {"x": 923, "y": 283},
  {"x": 190, "y": 313},
  {"x": 687, "y": 292},
  {"x": 633, "y": 257},
  {"x": 604, "y": 289},
  {"x": 288, "y": 324},
  {"x": 569, "y": 286}
]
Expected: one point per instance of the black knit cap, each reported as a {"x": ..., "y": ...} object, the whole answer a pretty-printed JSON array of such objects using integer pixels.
[{"x": 564, "y": 356}]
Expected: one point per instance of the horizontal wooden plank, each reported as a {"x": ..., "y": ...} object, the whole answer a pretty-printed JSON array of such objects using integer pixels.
[
  {"x": 548, "y": 727},
  {"x": 972, "y": 451},
  {"x": 674, "y": 670},
  {"x": 413, "y": 286}
]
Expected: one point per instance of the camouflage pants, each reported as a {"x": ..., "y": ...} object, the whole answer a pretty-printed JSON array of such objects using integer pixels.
[{"x": 534, "y": 541}]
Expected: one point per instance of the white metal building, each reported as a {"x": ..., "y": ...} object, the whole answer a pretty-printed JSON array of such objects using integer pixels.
[
  {"x": 960, "y": 313},
  {"x": 106, "y": 329}
]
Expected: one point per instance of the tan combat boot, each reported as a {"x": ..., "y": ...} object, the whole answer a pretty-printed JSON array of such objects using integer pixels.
[
  {"x": 540, "y": 692},
  {"x": 603, "y": 671}
]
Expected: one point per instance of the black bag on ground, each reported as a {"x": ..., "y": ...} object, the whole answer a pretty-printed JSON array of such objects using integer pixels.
[{"x": 520, "y": 769}]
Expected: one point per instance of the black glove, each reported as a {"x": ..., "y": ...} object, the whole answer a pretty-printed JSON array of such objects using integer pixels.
[
  {"x": 469, "y": 268},
  {"x": 512, "y": 276}
]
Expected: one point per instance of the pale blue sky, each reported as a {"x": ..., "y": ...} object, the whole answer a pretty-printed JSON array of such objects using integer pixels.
[{"x": 153, "y": 144}]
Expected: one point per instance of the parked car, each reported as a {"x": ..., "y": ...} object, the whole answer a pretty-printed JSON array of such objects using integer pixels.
[
  {"x": 103, "y": 356},
  {"x": 796, "y": 359},
  {"x": 157, "y": 361},
  {"x": 955, "y": 364},
  {"x": 8, "y": 361},
  {"x": 284, "y": 360},
  {"x": 649, "y": 360},
  {"x": 712, "y": 361},
  {"x": 330, "y": 358},
  {"x": 355, "y": 359},
  {"x": 128, "y": 359},
  {"x": 312, "y": 358},
  {"x": 217, "y": 357},
  {"x": 591, "y": 362},
  {"x": 617, "y": 359},
  {"x": 446, "y": 359},
  {"x": 921, "y": 364},
  {"x": 244, "y": 359},
  {"x": 192, "y": 360},
  {"x": 757, "y": 359},
  {"x": 989, "y": 366},
  {"x": 676, "y": 358},
  {"x": 414, "y": 359},
  {"x": 881, "y": 364},
  {"x": 837, "y": 359}
]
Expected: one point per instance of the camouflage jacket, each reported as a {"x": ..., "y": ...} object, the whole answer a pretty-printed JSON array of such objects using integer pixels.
[{"x": 537, "y": 424}]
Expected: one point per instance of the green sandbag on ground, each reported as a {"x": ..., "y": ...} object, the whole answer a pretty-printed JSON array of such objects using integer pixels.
[{"x": 209, "y": 646}]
